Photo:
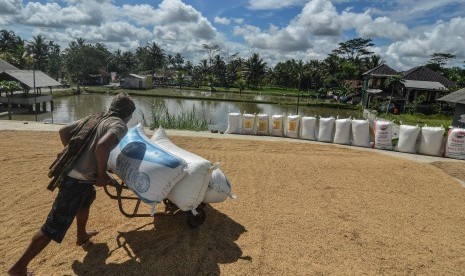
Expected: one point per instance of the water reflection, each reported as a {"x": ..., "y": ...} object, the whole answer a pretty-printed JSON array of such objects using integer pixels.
[{"x": 71, "y": 108}]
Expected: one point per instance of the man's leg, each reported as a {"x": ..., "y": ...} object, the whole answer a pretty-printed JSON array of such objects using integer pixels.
[
  {"x": 81, "y": 222},
  {"x": 38, "y": 243},
  {"x": 82, "y": 215}
]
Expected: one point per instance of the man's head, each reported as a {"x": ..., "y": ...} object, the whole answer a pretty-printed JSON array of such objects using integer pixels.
[{"x": 122, "y": 105}]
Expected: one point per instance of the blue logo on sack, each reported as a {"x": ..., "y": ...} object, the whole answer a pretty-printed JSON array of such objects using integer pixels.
[{"x": 135, "y": 146}]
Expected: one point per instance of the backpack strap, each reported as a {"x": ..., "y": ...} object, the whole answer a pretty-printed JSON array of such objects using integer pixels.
[{"x": 80, "y": 137}]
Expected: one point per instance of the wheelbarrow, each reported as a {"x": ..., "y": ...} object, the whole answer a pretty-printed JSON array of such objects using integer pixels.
[{"x": 193, "y": 220}]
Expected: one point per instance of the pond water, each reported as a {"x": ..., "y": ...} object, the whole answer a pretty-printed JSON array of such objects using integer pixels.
[{"x": 71, "y": 108}]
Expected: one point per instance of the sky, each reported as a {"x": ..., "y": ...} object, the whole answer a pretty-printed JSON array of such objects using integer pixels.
[{"x": 405, "y": 32}]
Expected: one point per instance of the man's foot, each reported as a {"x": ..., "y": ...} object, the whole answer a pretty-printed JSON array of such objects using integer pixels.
[{"x": 82, "y": 240}]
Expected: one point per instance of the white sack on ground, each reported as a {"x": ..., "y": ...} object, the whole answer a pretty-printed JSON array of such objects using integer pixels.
[
  {"x": 234, "y": 123},
  {"x": 326, "y": 128},
  {"x": 360, "y": 133},
  {"x": 263, "y": 122},
  {"x": 219, "y": 188},
  {"x": 383, "y": 135},
  {"x": 431, "y": 140},
  {"x": 147, "y": 169},
  {"x": 342, "y": 132},
  {"x": 308, "y": 125},
  {"x": 292, "y": 126},
  {"x": 408, "y": 136},
  {"x": 248, "y": 124},
  {"x": 455, "y": 145},
  {"x": 277, "y": 125},
  {"x": 189, "y": 192}
]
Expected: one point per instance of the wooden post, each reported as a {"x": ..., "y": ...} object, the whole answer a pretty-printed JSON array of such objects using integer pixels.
[{"x": 9, "y": 105}]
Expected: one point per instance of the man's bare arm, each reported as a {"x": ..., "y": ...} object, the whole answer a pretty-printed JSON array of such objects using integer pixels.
[{"x": 102, "y": 152}]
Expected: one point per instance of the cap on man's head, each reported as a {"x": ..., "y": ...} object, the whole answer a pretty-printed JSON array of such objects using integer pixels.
[{"x": 123, "y": 105}]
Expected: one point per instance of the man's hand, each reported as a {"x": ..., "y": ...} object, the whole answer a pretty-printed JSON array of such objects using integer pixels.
[{"x": 102, "y": 180}]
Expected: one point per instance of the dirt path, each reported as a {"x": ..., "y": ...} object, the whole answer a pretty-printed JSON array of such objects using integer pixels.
[{"x": 303, "y": 209}]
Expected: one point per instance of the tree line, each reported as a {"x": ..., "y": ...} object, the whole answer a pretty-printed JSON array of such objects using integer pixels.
[{"x": 80, "y": 59}]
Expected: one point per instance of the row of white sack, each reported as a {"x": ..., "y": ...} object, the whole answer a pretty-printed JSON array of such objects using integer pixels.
[
  {"x": 155, "y": 169},
  {"x": 412, "y": 139}
]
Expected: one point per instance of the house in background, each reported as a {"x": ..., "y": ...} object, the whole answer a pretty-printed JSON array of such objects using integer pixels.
[
  {"x": 423, "y": 81},
  {"x": 457, "y": 97},
  {"x": 418, "y": 81},
  {"x": 97, "y": 79},
  {"x": 134, "y": 81},
  {"x": 374, "y": 83}
]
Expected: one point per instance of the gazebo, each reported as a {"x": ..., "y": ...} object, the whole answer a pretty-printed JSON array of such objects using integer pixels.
[{"x": 29, "y": 79}]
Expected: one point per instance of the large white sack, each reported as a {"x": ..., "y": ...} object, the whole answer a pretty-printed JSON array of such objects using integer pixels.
[
  {"x": 360, "y": 133},
  {"x": 326, "y": 128},
  {"x": 248, "y": 124},
  {"x": 147, "y": 169},
  {"x": 263, "y": 124},
  {"x": 189, "y": 192},
  {"x": 307, "y": 129},
  {"x": 431, "y": 140},
  {"x": 342, "y": 133},
  {"x": 292, "y": 126},
  {"x": 455, "y": 145},
  {"x": 383, "y": 135},
  {"x": 408, "y": 136},
  {"x": 219, "y": 188},
  {"x": 277, "y": 125},
  {"x": 234, "y": 123}
]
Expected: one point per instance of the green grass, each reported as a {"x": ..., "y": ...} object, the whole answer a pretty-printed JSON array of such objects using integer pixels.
[
  {"x": 186, "y": 120},
  {"x": 420, "y": 119}
]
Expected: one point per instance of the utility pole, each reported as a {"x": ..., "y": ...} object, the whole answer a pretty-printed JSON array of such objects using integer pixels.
[{"x": 34, "y": 84}]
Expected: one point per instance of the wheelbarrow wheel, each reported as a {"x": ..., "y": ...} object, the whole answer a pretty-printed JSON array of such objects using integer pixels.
[{"x": 196, "y": 220}]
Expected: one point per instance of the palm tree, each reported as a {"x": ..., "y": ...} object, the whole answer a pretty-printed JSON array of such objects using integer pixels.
[
  {"x": 155, "y": 57},
  {"x": 395, "y": 82},
  {"x": 39, "y": 47},
  {"x": 219, "y": 70},
  {"x": 256, "y": 68},
  {"x": 178, "y": 61},
  {"x": 54, "y": 64}
]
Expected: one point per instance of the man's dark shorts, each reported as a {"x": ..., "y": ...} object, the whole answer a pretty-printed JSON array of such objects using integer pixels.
[{"x": 72, "y": 195}]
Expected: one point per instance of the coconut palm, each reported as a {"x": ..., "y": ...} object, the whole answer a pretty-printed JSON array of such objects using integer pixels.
[
  {"x": 39, "y": 48},
  {"x": 256, "y": 68}
]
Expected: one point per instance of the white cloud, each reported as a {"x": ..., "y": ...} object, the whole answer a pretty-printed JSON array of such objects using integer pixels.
[
  {"x": 275, "y": 39},
  {"x": 9, "y": 7},
  {"x": 222, "y": 20},
  {"x": 85, "y": 2},
  {"x": 174, "y": 22},
  {"x": 319, "y": 17},
  {"x": 52, "y": 14},
  {"x": 168, "y": 12},
  {"x": 443, "y": 37},
  {"x": 239, "y": 20},
  {"x": 178, "y": 27},
  {"x": 273, "y": 4},
  {"x": 115, "y": 35},
  {"x": 368, "y": 27}
]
